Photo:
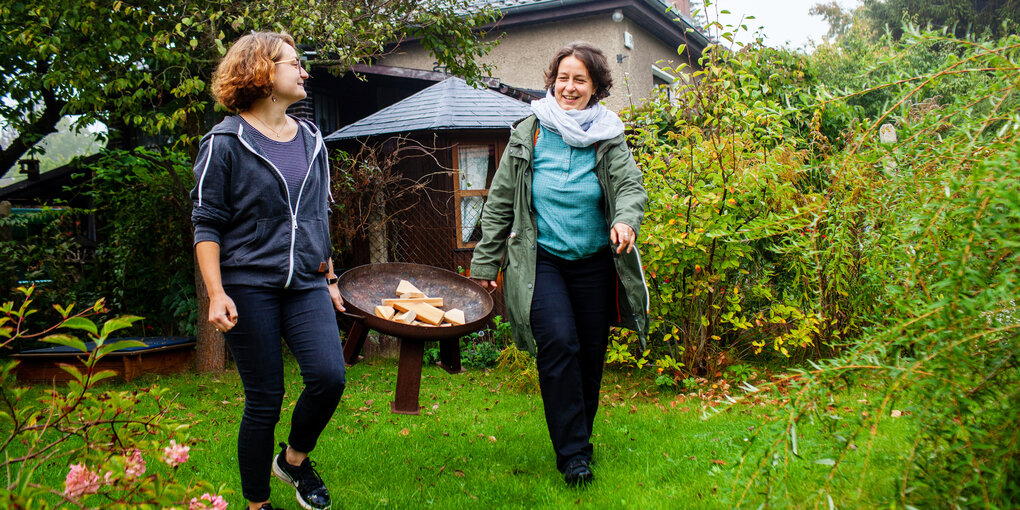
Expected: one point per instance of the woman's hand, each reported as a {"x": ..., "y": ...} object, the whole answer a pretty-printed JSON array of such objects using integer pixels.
[
  {"x": 623, "y": 236},
  {"x": 222, "y": 312},
  {"x": 334, "y": 294},
  {"x": 485, "y": 284}
]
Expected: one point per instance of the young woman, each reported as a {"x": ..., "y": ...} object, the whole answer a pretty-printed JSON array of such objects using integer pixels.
[
  {"x": 564, "y": 210},
  {"x": 261, "y": 207}
]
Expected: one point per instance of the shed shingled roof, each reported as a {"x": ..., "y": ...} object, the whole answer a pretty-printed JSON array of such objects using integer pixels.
[{"x": 449, "y": 104}]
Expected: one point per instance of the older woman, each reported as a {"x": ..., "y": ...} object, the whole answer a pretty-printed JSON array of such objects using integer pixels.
[
  {"x": 262, "y": 242},
  {"x": 564, "y": 210}
]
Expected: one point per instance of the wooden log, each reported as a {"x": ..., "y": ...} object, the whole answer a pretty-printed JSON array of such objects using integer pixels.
[
  {"x": 425, "y": 312},
  {"x": 454, "y": 316},
  {"x": 405, "y": 287},
  {"x": 407, "y": 317},
  {"x": 385, "y": 312},
  {"x": 434, "y": 301},
  {"x": 412, "y": 295}
]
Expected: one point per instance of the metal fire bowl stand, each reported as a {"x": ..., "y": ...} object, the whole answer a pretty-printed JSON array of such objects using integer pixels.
[{"x": 364, "y": 287}]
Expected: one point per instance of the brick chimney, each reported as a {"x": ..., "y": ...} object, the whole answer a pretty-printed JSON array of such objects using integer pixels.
[{"x": 682, "y": 6}]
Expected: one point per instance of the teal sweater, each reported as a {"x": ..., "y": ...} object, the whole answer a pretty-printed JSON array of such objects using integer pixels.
[{"x": 567, "y": 198}]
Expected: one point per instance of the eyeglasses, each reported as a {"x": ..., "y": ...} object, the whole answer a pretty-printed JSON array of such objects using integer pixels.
[{"x": 295, "y": 62}]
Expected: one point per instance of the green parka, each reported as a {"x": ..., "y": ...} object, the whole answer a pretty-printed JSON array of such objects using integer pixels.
[{"x": 510, "y": 232}]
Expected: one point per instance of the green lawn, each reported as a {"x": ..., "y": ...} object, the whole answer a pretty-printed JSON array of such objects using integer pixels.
[{"x": 479, "y": 445}]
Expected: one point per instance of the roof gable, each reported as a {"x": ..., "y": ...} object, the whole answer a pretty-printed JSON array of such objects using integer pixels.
[{"x": 448, "y": 105}]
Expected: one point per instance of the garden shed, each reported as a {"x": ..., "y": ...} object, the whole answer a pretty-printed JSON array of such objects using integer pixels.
[{"x": 419, "y": 173}]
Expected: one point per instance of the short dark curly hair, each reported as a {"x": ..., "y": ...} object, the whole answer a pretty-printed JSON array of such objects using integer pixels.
[
  {"x": 246, "y": 72},
  {"x": 594, "y": 61}
]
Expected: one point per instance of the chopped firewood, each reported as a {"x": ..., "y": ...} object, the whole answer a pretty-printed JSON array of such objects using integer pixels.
[
  {"x": 422, "y": 324},
  {"x": 454, "y": 316},
  {"x": 405, "y": 287},
  {"x": 406, "y": 317},
  {"x": 425, "y": 312},
  {"x": 445, "y": 325},
  {"x": 412, "y": 295},
  {"x": 434, "y": 301},
  {"x": 385, "y": 312}
]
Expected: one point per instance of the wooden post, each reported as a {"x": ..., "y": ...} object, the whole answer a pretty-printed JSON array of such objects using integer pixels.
[
  {"x": 210, "y": 349},
  {"x": 5, "y": 211},
  {"x": 6, "y": 234}
]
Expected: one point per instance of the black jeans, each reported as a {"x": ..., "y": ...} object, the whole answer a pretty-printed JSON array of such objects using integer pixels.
[
  {"x": 570, "y": 317},
  {"x": 306, "y": 321}
]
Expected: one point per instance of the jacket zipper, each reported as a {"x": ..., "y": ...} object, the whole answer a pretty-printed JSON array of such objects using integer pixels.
[{"x": 291, "y": 209}]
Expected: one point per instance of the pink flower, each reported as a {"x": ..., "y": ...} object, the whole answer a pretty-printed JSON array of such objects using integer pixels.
[
  {"x": 80, "y": 481},
  {"x": 175, "y": 454},
  {"x": 215, "y": 503},
  {"x": 134, "y": 464}
]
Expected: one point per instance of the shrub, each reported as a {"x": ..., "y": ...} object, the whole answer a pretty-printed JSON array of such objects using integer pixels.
[
  {"x": 141, "y": 260},
  {"x": 105, "y": 437},
  {"x": 942, "y": 261}
]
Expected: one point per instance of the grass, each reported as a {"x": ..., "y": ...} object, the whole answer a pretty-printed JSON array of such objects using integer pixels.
[{"x": 480, "y": 445}]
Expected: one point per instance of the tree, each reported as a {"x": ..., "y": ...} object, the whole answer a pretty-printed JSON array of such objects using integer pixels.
[
  {"x": 145, "y": 65},
  {"x": 962, "y": 17},
  {"x": 839, "y": 20}
]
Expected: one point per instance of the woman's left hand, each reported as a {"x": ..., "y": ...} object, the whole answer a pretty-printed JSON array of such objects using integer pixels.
[
  {"x": 334, "y": 294},
  {"x": 623, "y": 236}
]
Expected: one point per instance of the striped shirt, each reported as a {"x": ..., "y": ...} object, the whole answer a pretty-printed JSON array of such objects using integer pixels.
[{"x": 288, "y": 157}]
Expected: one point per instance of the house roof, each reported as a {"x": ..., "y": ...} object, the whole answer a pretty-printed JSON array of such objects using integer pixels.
[
  {"x": 657, "y": 16},
  {"x": 448, "y": 105}
]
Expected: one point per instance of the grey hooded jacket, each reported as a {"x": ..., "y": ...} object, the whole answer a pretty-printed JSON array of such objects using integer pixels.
[{"x": 241, "y": 201}]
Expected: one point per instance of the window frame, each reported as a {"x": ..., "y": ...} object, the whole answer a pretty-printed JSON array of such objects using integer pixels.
[{"x": 496, "y": 148}]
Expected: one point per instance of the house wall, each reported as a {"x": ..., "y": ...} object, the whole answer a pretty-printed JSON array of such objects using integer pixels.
[{"x": 523, "y": 53}]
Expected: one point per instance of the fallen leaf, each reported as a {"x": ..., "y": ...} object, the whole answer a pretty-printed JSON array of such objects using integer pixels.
[
  {"x": 405, "y": 432},
  {"x": 896, "y": 413},
  {"x": 458, "y": 472},
  {"x": 720, "y": 462}
]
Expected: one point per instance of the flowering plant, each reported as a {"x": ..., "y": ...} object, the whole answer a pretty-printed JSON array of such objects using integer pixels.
[{"x": 104, "y": 436}]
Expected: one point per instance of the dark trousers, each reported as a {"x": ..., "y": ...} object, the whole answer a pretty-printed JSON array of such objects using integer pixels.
[
  {"x": 306, "y": 321},
  {"x": 570, "y": 317}
]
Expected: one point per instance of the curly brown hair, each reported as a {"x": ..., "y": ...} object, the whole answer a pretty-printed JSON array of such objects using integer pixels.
[
  {"x": 246, "y": 72},
  {"x": 594, "y": 61}
]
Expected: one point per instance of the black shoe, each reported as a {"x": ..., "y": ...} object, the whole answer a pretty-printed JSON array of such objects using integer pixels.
[
  {"x": 267, "y": 506},
  {"x": 578, "y": 472},
  {"x": 311, "y": 492}
]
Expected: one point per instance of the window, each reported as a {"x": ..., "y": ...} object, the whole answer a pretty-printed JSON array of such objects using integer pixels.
[{"x": 475, "y": 165}]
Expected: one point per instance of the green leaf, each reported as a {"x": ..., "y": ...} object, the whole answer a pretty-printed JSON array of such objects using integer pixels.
[
  {"x": 102, "y": 374},
  {"x": 81, "y": 323},
  {"x": 120, "y": 344},
  {"x": 118, "y": 323},
  {"x": 66, "y": 340},
  {"x": 71, "y": 369}
]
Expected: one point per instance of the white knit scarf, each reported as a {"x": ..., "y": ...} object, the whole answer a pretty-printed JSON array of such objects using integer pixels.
[{"x": 578, "y": 128}]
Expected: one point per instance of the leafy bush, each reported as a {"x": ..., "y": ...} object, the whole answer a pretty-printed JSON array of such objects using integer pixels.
[
  {"x": 941, "y": 225},
  {"x": 735, "y": 241},
  {"x": 105, "y": 438},
  {"x": 142, "y": 259}
]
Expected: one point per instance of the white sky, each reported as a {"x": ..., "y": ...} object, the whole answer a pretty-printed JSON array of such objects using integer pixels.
[{"x": 784, "y": 22}]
